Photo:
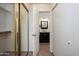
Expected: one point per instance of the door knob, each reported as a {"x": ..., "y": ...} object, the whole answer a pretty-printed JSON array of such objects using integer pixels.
[{"x": 33, "y": 34}]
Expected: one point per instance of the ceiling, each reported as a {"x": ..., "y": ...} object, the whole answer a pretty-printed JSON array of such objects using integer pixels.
[{"x": 42, "y": 6}]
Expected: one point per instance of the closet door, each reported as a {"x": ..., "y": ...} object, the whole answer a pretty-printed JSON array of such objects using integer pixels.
[
  {"x": 22, "y": 46},
  {"x": 24, "y": 29}
]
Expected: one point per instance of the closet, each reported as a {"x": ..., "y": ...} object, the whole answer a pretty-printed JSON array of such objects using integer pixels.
[{"x": 7, "y": 19}]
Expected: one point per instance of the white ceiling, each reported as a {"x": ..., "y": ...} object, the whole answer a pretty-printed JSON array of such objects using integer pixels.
[{"x": 43, "y": 6}]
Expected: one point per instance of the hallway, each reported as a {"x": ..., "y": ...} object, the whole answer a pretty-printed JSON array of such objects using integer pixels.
[
  {"x": 44, "y": 49},
  {"x": 24, "y": 25}
]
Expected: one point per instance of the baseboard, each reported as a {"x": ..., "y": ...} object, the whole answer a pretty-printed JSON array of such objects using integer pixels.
[
  {"x": 52, "y": 54},
  {"x": 30, "y": 53},
  {"x": 23, "y": 53},
  {"x": 37, "y": 54}
]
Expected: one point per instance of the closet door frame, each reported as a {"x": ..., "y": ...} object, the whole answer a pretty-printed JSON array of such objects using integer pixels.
[{"x": 18, "y": 34}]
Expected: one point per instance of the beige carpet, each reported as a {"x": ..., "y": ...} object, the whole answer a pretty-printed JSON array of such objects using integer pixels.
[{"x": 44, "y": 49}]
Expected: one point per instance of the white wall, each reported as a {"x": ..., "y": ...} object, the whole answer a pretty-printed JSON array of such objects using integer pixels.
[
  {"x": 44, "y": 15},
  {"x": 51, "y": 31},
  {"x": 30, "y": 28},
  {"x": 66, "y": 29},
  {"x": 33, "y": 29}
]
